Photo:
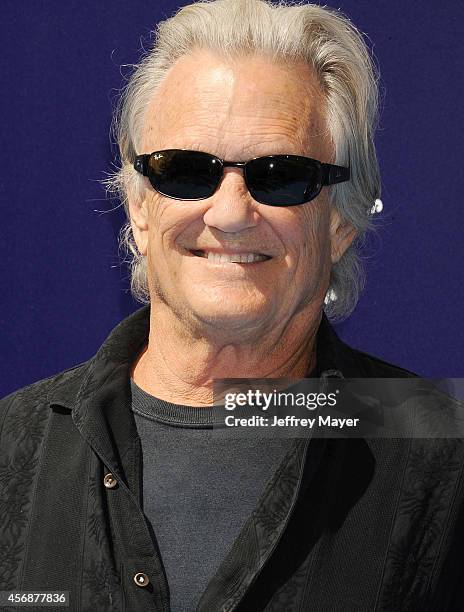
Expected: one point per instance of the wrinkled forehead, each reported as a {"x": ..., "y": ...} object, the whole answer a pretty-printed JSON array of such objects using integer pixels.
[{"x": 246, "y": 106}]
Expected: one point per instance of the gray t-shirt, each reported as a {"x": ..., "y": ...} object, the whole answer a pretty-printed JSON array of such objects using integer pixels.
[{"x": 199, "y": 487}]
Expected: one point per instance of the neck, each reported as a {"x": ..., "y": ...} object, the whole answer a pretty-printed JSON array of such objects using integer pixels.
[{"x": 179, "y": 364}]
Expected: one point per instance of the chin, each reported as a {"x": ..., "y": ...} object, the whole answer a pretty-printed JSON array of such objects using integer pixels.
[{"x": 228, "y": 317}]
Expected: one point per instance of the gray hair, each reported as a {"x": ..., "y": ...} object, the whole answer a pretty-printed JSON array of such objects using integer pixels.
[{"x": 348, "y": 77}]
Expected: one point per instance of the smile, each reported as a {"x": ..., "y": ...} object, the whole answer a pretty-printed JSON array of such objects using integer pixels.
[{"x": 242, "y": 258}]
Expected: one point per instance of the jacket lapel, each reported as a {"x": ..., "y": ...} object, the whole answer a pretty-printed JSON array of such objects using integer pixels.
[{"x": 99, "y": 397}]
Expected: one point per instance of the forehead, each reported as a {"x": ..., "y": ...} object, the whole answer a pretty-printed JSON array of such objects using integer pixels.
[{"x": 242, "y": 107}]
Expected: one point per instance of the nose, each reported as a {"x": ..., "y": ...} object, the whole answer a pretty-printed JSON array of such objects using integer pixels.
[{"x": 232, "y": 208}]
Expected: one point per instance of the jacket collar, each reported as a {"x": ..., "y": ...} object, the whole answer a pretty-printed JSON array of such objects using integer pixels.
[
  {"x": 333, "y": 355},
  {"x": 99, "y": 396},
  {"x": 114, "y": 358},
  {"x": 98, "y": 391},
  {"x": 116, "y": 354}
]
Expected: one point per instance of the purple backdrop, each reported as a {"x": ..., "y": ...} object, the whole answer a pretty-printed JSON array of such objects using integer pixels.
[{"x": 63, "y": 287}]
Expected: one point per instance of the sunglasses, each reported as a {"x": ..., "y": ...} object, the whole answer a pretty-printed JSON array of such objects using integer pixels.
[{"x": 275, "y": 180}]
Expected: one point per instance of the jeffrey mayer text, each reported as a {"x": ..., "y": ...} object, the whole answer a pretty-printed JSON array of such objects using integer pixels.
[{"x": 289, "y": 421}]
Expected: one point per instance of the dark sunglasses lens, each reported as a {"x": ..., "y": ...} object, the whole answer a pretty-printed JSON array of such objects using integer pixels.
[
  {"x": 283, "y": 180},
  {"x": 186, "y": 175}
]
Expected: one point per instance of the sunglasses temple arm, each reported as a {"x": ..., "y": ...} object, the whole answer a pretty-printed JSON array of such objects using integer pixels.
[
  {"x": 334, "y": 174},
  {"x": 141, "y": 164}
]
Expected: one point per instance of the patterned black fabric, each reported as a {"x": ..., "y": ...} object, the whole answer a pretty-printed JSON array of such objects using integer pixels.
[{"x": 344, "y": 525}]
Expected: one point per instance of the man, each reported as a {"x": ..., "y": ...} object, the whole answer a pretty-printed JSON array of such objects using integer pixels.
[{"x": 114, "y": 488}]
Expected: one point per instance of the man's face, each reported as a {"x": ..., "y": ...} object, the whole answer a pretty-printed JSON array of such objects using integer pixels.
[{"x": 237, "y": 110}]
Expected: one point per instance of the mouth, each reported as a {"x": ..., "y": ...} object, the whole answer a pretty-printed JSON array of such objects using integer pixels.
[{"x": 236, "y": 258}]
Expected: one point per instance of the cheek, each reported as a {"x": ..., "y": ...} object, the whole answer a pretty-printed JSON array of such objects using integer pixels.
[
  {"x": 316, "y": 220},
  {"x": 314, "y": 231},
  {"x": 166, "y": 220}
]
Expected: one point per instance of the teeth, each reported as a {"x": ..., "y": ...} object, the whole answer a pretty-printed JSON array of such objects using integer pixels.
[{"x": 235, "y": 258}]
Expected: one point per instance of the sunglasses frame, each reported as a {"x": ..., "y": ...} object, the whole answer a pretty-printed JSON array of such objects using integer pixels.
[{"x": 329, "y": 174}]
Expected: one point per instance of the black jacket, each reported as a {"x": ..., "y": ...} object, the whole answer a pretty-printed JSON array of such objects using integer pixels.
[{"x": 346, "y": 525}]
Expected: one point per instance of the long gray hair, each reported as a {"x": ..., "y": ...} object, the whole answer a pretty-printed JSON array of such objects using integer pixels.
[{"x": 348, "y": 77}]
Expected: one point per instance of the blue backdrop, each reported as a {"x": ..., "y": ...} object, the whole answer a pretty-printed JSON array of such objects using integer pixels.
[{"x": 63, "y": 287}]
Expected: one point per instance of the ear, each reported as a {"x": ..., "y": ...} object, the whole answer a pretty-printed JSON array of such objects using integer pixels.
[
  {"x": 138, "y": 210},
  {"x": 342, "y": 235}
]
